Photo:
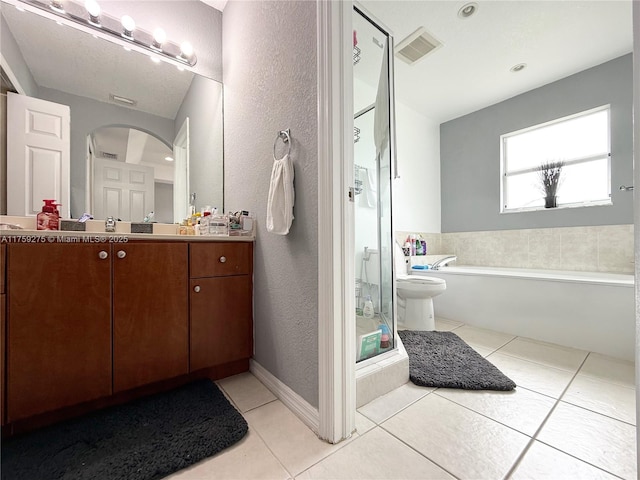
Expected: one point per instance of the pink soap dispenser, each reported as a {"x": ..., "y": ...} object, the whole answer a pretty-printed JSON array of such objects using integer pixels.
[{"x": 49, "y": 217}]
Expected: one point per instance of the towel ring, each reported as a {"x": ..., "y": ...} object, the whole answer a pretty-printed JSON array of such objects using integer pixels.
[{"x": 285, "y": 135}]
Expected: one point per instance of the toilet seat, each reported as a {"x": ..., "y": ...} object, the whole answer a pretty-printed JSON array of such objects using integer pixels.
[{"x": 411, "y": 280}]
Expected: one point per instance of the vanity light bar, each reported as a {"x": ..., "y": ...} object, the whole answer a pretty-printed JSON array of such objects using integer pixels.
[{"x": 112, "y": 26}]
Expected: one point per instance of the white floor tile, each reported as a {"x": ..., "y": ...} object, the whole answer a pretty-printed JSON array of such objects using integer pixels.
[
  {"x": 520, "y": 409},
  {"x": 375, "y": 455},
  {"x": 246, "y": 391},
  {"x": 290, "y": 440},
  {"x": 609, "y": 369},
  {"x": 606, "y": 398},
  {"x": 532, "y": 376},
  {"x": 363, "y": 424},
  {"x": 601, "y": 441},
  {"x": 465, "y": 443},
  {"x": 479, "y": 337},
  {"x": 388, "y": 405},
  {"x": 548, "y": 354},
  {"x": 249, "y": 458},
  {"x": 545, "y": 463},
  {"x": 445, "y": 325}
]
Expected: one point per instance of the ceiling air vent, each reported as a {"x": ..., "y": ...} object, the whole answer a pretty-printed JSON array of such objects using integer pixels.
[
  {"x": 416, "y": 46},
  {"x": 110, "y": 156}
]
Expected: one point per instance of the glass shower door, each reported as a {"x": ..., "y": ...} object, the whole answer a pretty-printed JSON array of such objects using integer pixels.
[{"x": 373, "y": 136}]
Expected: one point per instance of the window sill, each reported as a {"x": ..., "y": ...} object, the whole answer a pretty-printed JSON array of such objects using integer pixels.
[{"x": 602, "y": 203}]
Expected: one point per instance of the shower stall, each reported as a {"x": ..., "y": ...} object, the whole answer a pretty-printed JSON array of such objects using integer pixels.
[{"x": 374, "y": 154}]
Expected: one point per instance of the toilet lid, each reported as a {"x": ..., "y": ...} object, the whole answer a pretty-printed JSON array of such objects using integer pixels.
[{"x": 420, "y": 280}]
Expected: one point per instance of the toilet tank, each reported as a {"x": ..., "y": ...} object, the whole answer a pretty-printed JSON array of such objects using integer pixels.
[{"x": 399, "y": 260}]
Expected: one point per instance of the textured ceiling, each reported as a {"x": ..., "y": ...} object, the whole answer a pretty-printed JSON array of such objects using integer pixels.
[
  {"x": 63, "y": 58},
  {"x": 471, "y": 71}
]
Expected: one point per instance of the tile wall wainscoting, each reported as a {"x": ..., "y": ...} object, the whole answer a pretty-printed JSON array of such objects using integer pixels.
[{"x": 606, "y": 248}]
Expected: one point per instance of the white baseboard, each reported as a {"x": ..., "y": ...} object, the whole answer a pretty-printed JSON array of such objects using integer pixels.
[{"x": 298, "y": 405}]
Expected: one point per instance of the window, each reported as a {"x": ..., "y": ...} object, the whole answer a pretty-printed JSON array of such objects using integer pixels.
[{"x": 580, "y": 142}]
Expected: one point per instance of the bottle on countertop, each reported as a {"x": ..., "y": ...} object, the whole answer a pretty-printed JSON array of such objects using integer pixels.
[
  {"x": 367, "y": 311},
  {"x": 49, "y": 217}
]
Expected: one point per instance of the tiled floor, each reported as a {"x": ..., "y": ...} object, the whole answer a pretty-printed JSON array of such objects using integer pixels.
[{"x": 572, "y": 416}]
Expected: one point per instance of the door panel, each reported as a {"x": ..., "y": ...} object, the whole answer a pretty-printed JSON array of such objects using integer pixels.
[
  {"x": 58, "y": 327},
  {"x": 38, "y": 154},
  {"x": 150, "y": 313}
]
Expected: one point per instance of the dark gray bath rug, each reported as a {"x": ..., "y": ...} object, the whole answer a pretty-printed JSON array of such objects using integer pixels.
[
  {"x": 442, "y": 359},
  {"x": 142, "y": 440}
]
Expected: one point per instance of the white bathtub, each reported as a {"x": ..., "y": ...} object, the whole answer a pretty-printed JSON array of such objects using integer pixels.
[{"x": 585, "y": 310}]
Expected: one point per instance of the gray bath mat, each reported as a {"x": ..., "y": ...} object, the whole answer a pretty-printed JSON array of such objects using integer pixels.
[
  {"x": 442, "y": 359},
  {"x": 146, "y": 439}
]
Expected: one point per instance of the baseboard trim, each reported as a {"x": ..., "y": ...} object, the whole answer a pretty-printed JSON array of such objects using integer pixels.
[{"x": 298, "y": 405}]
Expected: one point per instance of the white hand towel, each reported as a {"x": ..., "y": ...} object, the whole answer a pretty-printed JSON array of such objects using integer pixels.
[
  {"x": 369, "y": 189},
  {"x": 281, "y": 197}
]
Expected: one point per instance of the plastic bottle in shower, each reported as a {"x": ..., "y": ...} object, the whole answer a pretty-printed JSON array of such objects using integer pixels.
[{"x": 367, "y": 311}]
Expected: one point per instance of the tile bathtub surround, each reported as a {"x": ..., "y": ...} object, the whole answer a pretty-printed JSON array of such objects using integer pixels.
[{"x": 606, "y": 248}]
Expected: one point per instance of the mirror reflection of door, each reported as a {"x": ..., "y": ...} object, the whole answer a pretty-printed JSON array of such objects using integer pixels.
[{"x": 133, "y": 175}]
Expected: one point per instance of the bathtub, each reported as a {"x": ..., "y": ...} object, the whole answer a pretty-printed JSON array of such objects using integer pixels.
[{"x": 585, "y": 310}]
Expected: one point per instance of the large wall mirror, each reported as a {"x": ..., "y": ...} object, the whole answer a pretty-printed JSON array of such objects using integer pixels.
[{"x": 130, "y": 118}]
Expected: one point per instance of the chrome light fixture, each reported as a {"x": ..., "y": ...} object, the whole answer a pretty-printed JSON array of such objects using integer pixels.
[
  {"x": 93, "y": 9},
  {"x": 128, "y": 26},
  {"x": 90, "y": 15}
]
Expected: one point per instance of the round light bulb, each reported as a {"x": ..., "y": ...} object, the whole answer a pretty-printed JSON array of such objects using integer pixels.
[
  {"x": 128, "y": 24},
  {"x": 187, "y": 49},
  {"x": 155, "y": 59},
  {"x": 93, "y": 8},
  {"x": 159, "y": 36}
]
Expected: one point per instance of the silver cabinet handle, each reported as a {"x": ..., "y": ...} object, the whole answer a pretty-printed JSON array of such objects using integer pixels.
[
  {"x": 122, "y": 254},
  {"x": 196, "y": 289},
  {"x": 103, "y": 255},
  {"x": 223, "y": 259}
]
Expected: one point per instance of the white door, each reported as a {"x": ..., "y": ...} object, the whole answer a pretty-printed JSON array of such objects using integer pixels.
[
  {"x": 38, "y": 154},
  {"x": 122, "y": 190},
  {"x": 181, "y": 173}
]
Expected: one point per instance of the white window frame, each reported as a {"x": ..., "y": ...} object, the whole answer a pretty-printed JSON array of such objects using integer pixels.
[{"x": 503, "y": 163}]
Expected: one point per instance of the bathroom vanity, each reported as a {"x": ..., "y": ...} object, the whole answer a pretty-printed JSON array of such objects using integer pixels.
[{"x": 92, "y": 322}]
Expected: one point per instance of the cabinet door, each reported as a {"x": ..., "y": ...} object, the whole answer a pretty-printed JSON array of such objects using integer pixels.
[
  {"x": 58, "y": 326},
  {"x": 221, "y": 320},
  {"x": 150, "y": 313}
]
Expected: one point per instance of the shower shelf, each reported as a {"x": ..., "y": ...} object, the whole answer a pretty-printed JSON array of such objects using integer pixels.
[{"x": 356, "y": 54}]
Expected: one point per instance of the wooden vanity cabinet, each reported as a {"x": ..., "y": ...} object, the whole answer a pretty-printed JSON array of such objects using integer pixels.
[
  {"x": 2, "y": 331},
  {"x": 58, "y": 326},
  {"x": 221, "y": 288},
  {"x": 150, "y": 313},
  {"x": 92, "y": 322}
]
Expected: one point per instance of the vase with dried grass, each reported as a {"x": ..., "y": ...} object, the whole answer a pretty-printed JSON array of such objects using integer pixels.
[{"x": 550, "y": 177}]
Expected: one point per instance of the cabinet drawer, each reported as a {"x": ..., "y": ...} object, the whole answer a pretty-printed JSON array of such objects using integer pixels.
[
  {"x": 218, "y": 259},
  {"x": 2, "y": 268}
]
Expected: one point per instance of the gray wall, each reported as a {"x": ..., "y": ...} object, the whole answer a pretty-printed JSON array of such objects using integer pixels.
[
  {"x": 86, "y": 116},
  {"x": 13, "y": 56},
  {"x": 203, "y": 105},
  {"x": 270, "y": 80},
  {"x": 470, "y": 152}
]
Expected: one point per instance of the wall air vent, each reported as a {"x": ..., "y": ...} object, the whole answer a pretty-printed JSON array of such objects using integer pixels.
[
  {"x": 416, "y": 46},
  {"x": 110, "y": 156}
]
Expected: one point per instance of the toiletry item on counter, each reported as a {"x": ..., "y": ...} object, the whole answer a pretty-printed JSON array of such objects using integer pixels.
[
  {"x": 149, "y": 217},
  {"x": 367, "y": 311},
  {"x": 369, "y": 344},
  {"x": 85, "y": 217},
  {"x": 110, "y": 225},
  {"x": 424, "y": 246},
  {"x": 385, "y": 337},
  {"x": 419, "y": 250},
  {"x": 218, "y": 225},
  {"x": 420, "y": 267},
  {"x": 49, "y": 217}
]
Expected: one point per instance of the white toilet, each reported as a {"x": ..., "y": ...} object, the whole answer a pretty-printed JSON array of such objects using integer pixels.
[{"x": 415, "y": 296}]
